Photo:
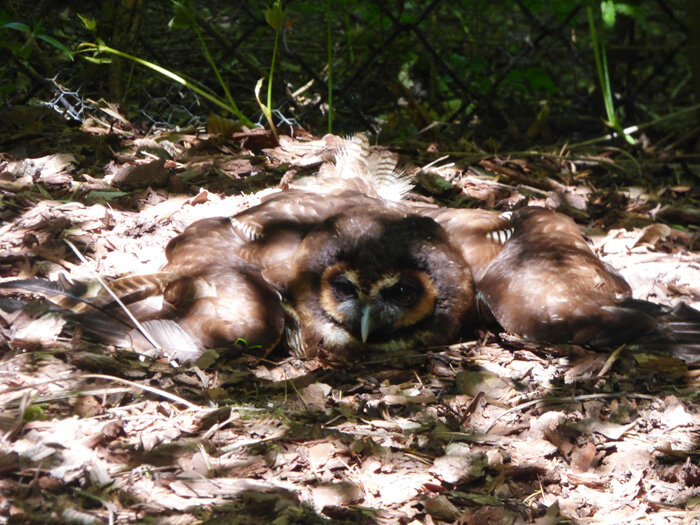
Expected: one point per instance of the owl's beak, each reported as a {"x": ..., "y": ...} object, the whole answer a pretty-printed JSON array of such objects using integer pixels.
[{"x": 365, "y": 322}]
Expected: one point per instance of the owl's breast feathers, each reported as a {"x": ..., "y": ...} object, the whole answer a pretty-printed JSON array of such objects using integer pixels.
[{"x": 345, "y": 267}]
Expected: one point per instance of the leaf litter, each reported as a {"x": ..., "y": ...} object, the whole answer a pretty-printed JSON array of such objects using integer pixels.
[{"x": 496, "y": 430}]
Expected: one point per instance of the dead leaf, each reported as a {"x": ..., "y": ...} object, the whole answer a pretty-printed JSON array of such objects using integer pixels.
[
  {"x": 676, "y": 415},
  {"x": 582, "y": 457},
  {"x": 339, "y": 494},
  {"x": 141, "y": 175},
  {"x": 315, "y": 396},
  {"x": 460, "y": 468},
  {"x": 476, "y": 382},
  {"x": 88, "y": 406},
  {"x": 440, "y": 508},
  {"x": 652, "y": 234},
  {"x": 217, "y": 125},
  {"x": 610, "y": 430},
  {"x": 319, "y": 454},
  {"x": 27, "y": 330}
]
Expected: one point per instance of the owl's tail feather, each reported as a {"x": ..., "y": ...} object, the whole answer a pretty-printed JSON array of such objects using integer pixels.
[
  {"x": 172, "y": 339},
  {"x": 64, "y": 293},
  {"x": 674, "y": 330},
  {"x": 374, "y": 172},
  {"x": 103, "y": 319},
  {"x": 681, "y": 327}
]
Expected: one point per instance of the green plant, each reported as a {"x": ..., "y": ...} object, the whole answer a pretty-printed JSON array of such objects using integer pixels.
[
  {"x": 329, "y": 44},
  {"x": 100, "y": 47},
  {"x": 184, "y": 15},
  {"x": 274, "y": 16},
  {"x": 607, "y": 10},
  {"x": 35, "y": 412},
  {"x": 23, "y": 50}
]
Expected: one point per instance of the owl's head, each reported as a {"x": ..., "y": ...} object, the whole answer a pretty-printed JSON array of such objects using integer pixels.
[{"x": 375, "y": 278}]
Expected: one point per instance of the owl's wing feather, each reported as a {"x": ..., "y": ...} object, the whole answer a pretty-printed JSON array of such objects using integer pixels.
[
  {"x": 218, "y": 305},
  {"x": 479, "y": 235},
  {"x": 358, "y": 168},
  {"x": 547, "y": 284},
  {"x": 64, "y": 293},
  {"x": 102, "y": 318}
]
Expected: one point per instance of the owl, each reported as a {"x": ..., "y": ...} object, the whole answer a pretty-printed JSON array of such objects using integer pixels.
[
  {"x": 344, "y": 267},
  {"x": 338, "y": 269}
]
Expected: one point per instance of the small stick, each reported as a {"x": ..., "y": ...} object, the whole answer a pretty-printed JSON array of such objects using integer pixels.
[
  {"x": 137, "y": 324},
  {"x": 72, "y": 377}
]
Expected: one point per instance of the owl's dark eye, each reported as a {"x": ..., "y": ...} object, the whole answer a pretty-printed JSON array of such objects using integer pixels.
[
  {"x": 403, "y": 293},
  {"x": 344, "y": 289}
]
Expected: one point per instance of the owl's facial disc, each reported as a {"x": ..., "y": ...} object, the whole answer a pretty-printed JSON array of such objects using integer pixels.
[{"x": 373, "y": 311}]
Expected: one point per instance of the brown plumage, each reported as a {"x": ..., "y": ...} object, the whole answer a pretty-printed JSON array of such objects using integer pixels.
[
  {"x": 372, "y": 279},
  {"x": 343, "y": 267},
  {"x": 354, "y": 274}
]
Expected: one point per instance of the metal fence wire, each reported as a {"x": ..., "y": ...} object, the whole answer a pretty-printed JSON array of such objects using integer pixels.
[{"x": 406, "y": 67}]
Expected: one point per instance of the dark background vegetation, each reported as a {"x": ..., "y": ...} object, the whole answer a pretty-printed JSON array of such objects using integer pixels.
[{"x": 508, "y": 74}]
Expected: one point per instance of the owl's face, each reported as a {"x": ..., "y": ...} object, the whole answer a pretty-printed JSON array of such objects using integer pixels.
[
  {"x": 376, "y": 280},
  {"x": 374, "y": 310}
]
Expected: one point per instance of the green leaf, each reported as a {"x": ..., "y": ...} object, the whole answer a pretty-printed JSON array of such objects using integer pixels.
[
  {"x": 539, "y": 78},
  {"x": 14, "y": 47},
  {"x": 19, "y": 26},
  {"x": 608, "y": 12},
  {"x": 35, "y": 412},
  {"x": 106, "y": 195},
  {"x": 19, "y": 50},
  {"x": 55, "y": 43},
  {"x": 263, "y": 107},
  {"x": 89, "y": 23},
  {"x": 274, "y": 15},
  {"x": 94, "y": 60},
  {"x": 631, "y": 11},
  {"x": 183, "y": 16},
  {"x": 408, "y": 18}
]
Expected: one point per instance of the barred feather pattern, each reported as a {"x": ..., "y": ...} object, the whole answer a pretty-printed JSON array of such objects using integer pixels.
[{"x": 374, "y": 173}]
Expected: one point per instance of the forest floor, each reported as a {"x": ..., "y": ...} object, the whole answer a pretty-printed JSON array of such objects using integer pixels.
[{"x": 496, "y": 430}]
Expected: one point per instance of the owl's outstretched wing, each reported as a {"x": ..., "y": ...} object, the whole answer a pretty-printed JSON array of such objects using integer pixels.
[
  {"x": 178, "y": 315},
  {"x": 545, "y": 283}
]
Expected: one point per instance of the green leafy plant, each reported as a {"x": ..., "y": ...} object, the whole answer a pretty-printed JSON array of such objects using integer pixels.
[
  {"x": 99, "y": 47},
  {"x": 22, "y": 41},
  {"x": 24, "y": 49},
  {"x": 184, "y": 15},
  {"x": 607, "y": 10},
  {"x": 35, "y": 412},
  {"x": 274, "y": 16},
  {"x": 329, "y": 44}
]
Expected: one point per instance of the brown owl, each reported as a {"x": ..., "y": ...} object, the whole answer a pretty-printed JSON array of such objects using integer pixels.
[
  {"x": 338, "y": 271},
  {"x": 345, "y": 267}
]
